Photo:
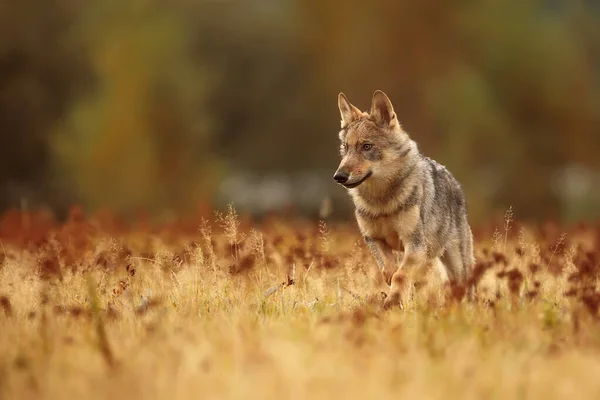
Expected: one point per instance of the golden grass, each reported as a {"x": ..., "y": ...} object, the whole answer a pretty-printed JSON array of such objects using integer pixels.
[{"x": 287, "y": 309}]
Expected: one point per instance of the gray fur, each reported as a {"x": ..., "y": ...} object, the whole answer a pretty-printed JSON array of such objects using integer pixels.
[{"x": 409, "y": 198}]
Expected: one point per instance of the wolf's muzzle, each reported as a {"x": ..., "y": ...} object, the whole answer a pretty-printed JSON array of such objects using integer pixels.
[{"x": 350, "y": 185}]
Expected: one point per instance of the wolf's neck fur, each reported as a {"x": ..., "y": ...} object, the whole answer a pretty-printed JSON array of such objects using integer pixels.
[{"x": 393, "y": 185}]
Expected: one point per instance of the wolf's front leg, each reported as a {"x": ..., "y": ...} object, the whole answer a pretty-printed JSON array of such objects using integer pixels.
[
  {"x": 414, "y": 266},
  {"x": 386, "y": 261}
]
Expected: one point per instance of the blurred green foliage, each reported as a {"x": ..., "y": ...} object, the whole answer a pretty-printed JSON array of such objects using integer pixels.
[
  {"x": 140, "y": 137},
  {"x": 150, "y": 104}
]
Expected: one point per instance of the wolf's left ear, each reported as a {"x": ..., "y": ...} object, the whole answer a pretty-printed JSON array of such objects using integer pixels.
[{"x": 382, "y": 110}]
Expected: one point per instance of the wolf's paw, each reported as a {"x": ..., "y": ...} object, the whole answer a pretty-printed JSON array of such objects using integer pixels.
[
  {"x": 387, "y": 276},
  {"x": 375, "y": 298},
  {"x": 393, "y": 300}
]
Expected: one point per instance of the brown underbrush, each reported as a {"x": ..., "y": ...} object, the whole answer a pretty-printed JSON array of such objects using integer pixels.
[{"x": 220, "y": 306}]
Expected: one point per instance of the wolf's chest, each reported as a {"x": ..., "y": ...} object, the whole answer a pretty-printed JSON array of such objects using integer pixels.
[
  {"x": 387, "y": 233},
  {"x": 393, "y": 229}
]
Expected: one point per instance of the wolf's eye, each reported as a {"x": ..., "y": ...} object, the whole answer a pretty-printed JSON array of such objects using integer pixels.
[{"x": 367, "y": 146}]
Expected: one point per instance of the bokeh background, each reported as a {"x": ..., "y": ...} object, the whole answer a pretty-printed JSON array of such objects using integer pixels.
[{"x": 164, "y": 107}]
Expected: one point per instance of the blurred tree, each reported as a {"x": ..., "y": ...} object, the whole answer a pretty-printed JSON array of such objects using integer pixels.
[
  {"x": 534, "y": 64},
  {"x": 264, "y": 110},
  {"x": 484, "y": 87},
  {"x": 504, "y": 93},
  {"x": 140, "y": 140},
  {"x": 40, "y": 75},
  {"x": 583, "y": 17}
]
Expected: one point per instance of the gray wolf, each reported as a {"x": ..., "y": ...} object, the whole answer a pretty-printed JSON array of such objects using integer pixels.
[{"x": 403, "y": 200}]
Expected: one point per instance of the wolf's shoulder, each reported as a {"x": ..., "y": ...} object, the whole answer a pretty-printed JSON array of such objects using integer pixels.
[
  {"x": 440, "y": 175},
  {"x": 437, "y": 168},
  {"x": 434, "y": 164}
]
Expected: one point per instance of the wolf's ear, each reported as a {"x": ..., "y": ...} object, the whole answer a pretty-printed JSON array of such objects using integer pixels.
[
  {"x": 348, "y": 112},
  {"x": 382, "y": 110}
]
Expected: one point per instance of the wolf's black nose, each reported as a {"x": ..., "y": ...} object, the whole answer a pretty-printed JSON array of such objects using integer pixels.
[{"x": 340, "y": 177}]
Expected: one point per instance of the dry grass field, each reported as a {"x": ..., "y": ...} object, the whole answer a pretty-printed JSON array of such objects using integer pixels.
[{"x": 227, "y": 308}]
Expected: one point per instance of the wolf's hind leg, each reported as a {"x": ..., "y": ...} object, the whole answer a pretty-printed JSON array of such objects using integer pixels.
[
  {"x": 441, "y": 268},
  {"x": 459, "y": 264},
  {"x": 468, "y": 257},
  {"x": 453, "y": 261}
]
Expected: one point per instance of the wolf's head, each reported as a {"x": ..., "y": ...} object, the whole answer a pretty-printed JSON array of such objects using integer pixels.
[{"x": 372, "y": 144}]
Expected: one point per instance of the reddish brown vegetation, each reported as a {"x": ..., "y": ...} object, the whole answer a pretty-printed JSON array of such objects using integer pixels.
[{"x": 73, "y": 246}]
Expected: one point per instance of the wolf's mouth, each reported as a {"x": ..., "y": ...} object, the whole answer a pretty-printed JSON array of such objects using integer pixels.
[{"x": 355, "y": 184}]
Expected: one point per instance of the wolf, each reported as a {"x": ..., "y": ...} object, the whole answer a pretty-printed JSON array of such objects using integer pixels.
[{"x": 404, "y": 202}]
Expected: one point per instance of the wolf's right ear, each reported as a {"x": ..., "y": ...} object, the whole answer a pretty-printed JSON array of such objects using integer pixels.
[
  {"x": 348, "y": 112},
  {"x": 382, "y": 110}
]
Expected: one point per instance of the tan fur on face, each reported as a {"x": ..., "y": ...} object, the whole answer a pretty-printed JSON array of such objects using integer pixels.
[
  {"x": 379, "y": 128},
  {"x": 395, "y": 149}
]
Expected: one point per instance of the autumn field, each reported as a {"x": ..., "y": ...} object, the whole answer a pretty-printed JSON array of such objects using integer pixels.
[{"x": 222, "y": 306}]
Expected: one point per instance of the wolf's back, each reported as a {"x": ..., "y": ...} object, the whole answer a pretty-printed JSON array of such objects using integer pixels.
[{"x": 444, "y": 210}]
